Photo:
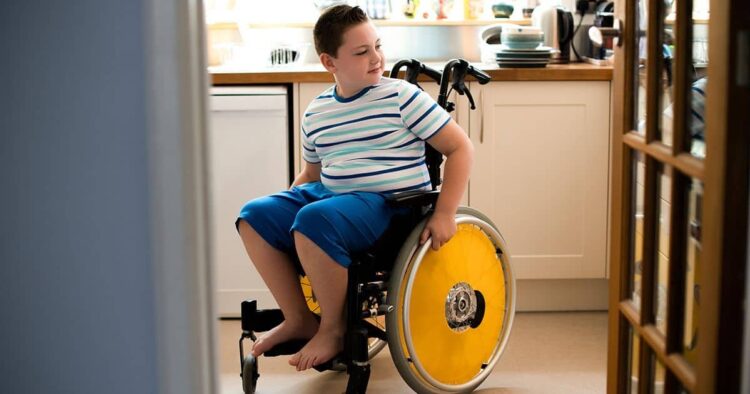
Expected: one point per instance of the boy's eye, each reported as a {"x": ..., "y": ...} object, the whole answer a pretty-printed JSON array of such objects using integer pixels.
[{"x": 363, "y": 52}]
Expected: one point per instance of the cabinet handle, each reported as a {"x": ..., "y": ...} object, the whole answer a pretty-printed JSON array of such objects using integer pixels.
[{"x": 481, "y": 115}]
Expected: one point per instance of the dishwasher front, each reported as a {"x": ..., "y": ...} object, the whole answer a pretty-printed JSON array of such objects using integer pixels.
[{"x": 249, "y": 141}]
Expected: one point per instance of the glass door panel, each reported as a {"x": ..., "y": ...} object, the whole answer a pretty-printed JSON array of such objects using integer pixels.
[
  {"x": 692, "y": 280},
  {"x": 641, "y": 55},
  {"x": 698, "y": 79},
  {"x": 636, "y": 247},
  {"x": 664, "y": 188}
]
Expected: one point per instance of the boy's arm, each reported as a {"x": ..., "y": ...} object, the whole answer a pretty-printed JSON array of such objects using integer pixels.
[
  {"x": 310, "y": 173},
  {"x": 452, "y": 142}
]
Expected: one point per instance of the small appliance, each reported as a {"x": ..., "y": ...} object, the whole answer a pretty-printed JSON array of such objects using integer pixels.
[{"x": 557, "y": 24}]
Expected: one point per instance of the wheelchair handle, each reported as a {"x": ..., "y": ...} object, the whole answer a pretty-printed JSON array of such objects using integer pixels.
[
  {"x": 413, "y": 68},
  {"x": 431, "y": 72},
  {"x": 480, "y": 75},
  {"x": 458, "y": 69}
]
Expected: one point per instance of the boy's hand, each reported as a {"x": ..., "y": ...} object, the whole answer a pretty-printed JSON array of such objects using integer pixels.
[{"x": 441, "y": 227}]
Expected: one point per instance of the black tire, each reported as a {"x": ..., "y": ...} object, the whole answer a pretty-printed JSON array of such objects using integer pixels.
[
  {"x": 249, "y": 374},
  {"x": 395, "y": 332}
]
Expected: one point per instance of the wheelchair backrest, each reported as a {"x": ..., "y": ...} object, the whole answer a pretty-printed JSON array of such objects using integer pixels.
[{"x": 453, "y": 75}]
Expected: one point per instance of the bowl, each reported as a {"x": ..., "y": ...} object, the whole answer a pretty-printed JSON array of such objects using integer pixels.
[
  {"x": 521, "y": 40},
  {"x": 522, "y": 45},
  {"x": 502, "y": 10},
  {"x": 489, "y": 41},
  {"x": 516, "y": 30}
]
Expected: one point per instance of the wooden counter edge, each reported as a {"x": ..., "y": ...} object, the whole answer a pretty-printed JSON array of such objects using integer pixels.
[{"x": 573, "y": 72}]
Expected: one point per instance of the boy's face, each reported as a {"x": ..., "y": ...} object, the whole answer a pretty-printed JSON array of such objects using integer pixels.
[{"x": 360, "y": 61}]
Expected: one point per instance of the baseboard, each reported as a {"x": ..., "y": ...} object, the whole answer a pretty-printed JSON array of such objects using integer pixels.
[
  {"x": 228, "y": 301},
  {"x": 531, "y": 295}
]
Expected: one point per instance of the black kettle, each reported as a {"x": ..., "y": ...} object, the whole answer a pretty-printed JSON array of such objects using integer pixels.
[{"x": 557, "y": 24}]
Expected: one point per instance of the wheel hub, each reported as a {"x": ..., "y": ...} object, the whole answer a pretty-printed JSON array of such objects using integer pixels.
[{"x": 460, "y": 306}]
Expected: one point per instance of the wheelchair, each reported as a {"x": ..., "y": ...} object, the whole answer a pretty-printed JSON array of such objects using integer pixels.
[{"x": 445, "y": 315}]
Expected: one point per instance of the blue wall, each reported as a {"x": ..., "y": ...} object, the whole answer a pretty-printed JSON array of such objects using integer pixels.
[{"x": 76, "y": 286}]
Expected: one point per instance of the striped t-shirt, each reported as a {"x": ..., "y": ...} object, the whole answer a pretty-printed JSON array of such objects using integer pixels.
[{"x": 374, "y": 140}]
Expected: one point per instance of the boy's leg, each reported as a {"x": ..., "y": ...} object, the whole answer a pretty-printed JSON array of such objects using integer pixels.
[
  {"x": 279, "y": 274},
  {"x": 329, "y": 280},
  {"x": 325, "y": 232}
]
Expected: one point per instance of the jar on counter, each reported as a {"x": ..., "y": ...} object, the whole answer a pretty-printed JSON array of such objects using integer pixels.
[{"x": 473, "y": 9}]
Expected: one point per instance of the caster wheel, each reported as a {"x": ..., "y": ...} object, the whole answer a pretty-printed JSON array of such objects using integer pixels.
[{"x": 249, "y": 374}]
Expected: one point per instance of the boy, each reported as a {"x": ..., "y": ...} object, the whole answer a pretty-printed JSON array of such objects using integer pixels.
[{"x": 363, "y": 138}]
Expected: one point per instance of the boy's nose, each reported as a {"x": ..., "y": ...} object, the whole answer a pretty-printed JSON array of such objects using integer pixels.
[{"x": 375, "y": 58}]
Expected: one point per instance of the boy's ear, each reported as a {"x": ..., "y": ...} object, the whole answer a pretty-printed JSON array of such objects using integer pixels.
[{"x": 327, "y": 61}]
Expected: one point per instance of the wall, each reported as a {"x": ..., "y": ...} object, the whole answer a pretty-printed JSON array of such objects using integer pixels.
[
  {"x": 77, "y": 292},
  {"x": 426, "y": 43}
]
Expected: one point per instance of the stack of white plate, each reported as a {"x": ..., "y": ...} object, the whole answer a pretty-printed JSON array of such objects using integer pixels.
[{"x": 523, "y": 58}]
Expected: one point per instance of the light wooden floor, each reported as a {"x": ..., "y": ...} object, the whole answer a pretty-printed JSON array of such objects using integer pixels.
[{"x": 547, "y": 353}]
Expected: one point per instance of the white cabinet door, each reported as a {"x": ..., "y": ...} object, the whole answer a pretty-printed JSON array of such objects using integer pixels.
[
  {"x": 248, "y": 159},
  {"x": 541, "y": 171}
]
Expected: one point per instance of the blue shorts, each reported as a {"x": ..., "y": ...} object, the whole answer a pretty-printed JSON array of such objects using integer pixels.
[{"x": 338, "y": 223}]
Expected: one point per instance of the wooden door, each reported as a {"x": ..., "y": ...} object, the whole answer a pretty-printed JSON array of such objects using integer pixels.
[{"x": 680, "y": 197}]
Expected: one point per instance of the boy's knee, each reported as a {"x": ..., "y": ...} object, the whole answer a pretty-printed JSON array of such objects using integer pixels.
[
  {"x": 313, "y": 216},
  {"x": 252, "y": 207}
]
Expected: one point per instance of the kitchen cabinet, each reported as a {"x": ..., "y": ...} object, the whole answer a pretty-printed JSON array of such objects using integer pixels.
[{"x": 541, "y": 173}]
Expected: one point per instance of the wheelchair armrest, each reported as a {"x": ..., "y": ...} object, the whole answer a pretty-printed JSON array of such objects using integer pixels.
[{"x": 417, "y": 199}]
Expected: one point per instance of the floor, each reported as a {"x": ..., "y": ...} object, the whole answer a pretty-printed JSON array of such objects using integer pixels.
[{"x": 547, "y": 353}]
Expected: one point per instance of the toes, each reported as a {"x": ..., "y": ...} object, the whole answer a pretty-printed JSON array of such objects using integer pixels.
[
  {"x": 302, "y": 363},
  {"x": 255, "y": 351},
  {"x": 312, "y": 362},
  {"x": 259, "y": 347},
  {"x": 295, "y": 359}
]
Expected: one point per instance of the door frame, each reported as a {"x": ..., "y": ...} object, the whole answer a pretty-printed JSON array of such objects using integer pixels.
[
  {"x": 177, "y": 113},
  {"x": 725, "y": 215}
]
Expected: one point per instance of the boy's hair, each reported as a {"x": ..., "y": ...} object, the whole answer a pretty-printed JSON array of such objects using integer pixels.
[{"x": 333, "y": 23}]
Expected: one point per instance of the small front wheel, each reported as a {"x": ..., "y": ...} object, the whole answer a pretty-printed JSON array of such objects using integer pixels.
[{"x": 249, "y": 374}]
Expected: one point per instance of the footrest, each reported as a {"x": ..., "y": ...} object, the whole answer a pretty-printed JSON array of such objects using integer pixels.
[
  {"x": 294, "y": 346},
  {"x": 286, "y": 348},
  {"x": 329, "y": 365}
]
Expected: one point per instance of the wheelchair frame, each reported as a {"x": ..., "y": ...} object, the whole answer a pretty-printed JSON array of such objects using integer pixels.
[{"x": 367, "y": 277}]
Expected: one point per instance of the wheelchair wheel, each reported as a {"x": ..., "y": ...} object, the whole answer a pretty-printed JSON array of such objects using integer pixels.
[
  {"x": 249, "y": 374},
  {"x": 453, "y": 307},
  {"x": 374, "y": 345}
]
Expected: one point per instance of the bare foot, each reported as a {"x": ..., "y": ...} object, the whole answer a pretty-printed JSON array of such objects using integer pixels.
[
  {"x": 322, "y": 347},
  {"x": 285, "y": 331}
]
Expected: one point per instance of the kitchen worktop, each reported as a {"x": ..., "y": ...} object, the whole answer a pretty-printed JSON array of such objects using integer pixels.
[{"x": 225, "y": 75}]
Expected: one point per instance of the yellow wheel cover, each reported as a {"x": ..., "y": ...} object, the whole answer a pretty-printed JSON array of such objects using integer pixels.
[
  {"x": 449, "y": 356},
  {"x": 312, "y": 304}
]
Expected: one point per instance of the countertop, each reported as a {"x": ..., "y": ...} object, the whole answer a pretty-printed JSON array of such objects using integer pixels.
[{"x": 224, "y": 75}]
